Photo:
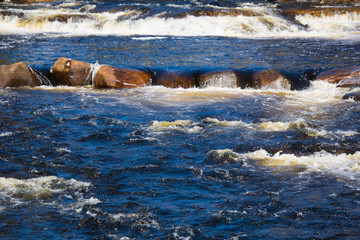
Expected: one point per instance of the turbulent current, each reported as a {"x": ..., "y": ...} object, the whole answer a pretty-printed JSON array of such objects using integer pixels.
[{"x": 218, "y": 162}]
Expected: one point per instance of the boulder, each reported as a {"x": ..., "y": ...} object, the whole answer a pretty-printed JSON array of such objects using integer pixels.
[
  {"x": 226, "y": 79},
  {"x": 70, "y": 72},
  {"x": 28, "y": 1},
  {"x": 349, "y": 82},
  {"x": 174, "y": 78},
  {"x": 18, "y": 75},
  {"x": 338, "y": 75},
  {"x": 265, "y": 79},
  {"x": 113, "y": 77},
  {"x": 354, "y": 95}
]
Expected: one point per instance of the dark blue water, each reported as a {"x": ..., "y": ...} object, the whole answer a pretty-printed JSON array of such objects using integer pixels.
[{"x": 159, "y": 163}]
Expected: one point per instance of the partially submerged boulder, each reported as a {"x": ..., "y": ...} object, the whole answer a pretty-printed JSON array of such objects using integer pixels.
[
  {"x": 354, "y": 95},
  {"x": 264, "y": 79},
  {"x": 226, "y": 78},
  {"x": 174, "y": 78},
  {"x": 350, "y": 82},
  {"x": 70, "y": 72},
  {"x": 113, "y": 77},
  {"x": 340, "y": 74},
  {"x": 18, "y": 75}
]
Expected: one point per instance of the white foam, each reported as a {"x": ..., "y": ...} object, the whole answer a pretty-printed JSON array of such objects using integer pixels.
[
  {"x": 179, "y": 125},
  {"x": 337, "y": 25},
  {"x": 63, "y": 150},
  {"x": 265, "y": 22},
  {"x": 318, "y": 94},
  {"x": 145, "y": 220},
  {"x": 6, "y": 134},
  {"x": 238, "y": 123},
  {"x": 282, "y": 126},
  {"x": 38, "y": 187},
  {"x": 344, "y": 165},
  {"x": 147, "y": 38}
]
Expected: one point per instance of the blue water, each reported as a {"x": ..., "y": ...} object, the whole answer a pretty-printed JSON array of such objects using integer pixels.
[{"x": 83, "y": 163}]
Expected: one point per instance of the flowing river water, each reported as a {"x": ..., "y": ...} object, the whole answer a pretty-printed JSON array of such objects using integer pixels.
[{"x": 163, "y": 163}]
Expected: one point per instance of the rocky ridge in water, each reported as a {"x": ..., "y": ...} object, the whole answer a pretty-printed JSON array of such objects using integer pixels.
[{"x": 69, "y": 72}]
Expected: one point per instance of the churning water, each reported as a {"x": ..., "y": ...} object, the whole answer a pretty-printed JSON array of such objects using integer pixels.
[{"x": 161, "y": 163}]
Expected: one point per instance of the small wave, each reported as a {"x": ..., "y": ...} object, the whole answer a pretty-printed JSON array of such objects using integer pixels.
[
  {"x": 6, "y": 134},
  {"x": 226, "y": 123},
  {"x": 342, "y": 165},
  {"x": 41, "y": 187},
  {"x": 179, "y": 125},
  {"x": 66, "y": 195},
  {"x": 282, "y": 126},
  {"x": 223, "y": 156},
  {"x": 136, "y": 219},
  {"x": 63, "y": 150},
  {"x": 346, "y": 165}
]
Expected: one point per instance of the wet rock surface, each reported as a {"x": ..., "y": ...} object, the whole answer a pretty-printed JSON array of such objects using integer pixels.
[
  {"x": 340, "y": 74},
  {"x": 113, "y": 77},
  {"x": 174, "y": 78},
  {"x": 264, "y": 78},
  {"x": 70, "y": 72},
  {"x": 354, "y": 95},
  {"x": 18, "y": 75}
]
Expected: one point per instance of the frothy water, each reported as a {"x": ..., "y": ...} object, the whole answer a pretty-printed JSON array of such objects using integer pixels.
[
  {"x": 246, "y": 20},
  {"x": 213, "y": 162}
]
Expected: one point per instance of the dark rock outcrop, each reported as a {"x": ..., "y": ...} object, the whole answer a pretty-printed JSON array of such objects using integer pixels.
[
  {"x": 71, "y": 72},
  {"x": 113, "y": 77},
  {"x": 174, "y": 78},
  {"x": 345, "y": 77},
  {"x": 18, "y": 75},
  {"x": 264, "y": 79},
  {"x": 354, "y": 95}
]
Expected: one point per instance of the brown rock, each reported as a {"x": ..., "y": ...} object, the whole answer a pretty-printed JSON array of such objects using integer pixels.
[
  {"x": 218, "y": 79},
  {"x": 296, "y": 3},
  {"x": 211, "y": 12},
  {"x": 349, "y": 82},
  {"x": 174, "y": 78},
  {"x": 355, "y": 96},
  {"x": 321, "y": 12},
  {"x": 268, "y": 79},
  {"x": 17, "y": 75},
  {"x": 339, "y": 74},
  {"x": 71, "y": 72},
  {"x": 28, "y": 1},
  {"x": 65, "y": 18},
  {"x": 112, "y": 77}
]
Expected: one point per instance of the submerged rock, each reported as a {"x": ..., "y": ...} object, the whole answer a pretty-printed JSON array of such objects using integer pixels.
[
  {"x": 226, "y": 79},
  {"x": 345, "y": 77},
  {"x": 113, "y": 77},
  {"x": 174, "y": 78},
  {"x": 70, "y": 72},
  {"x": 18, "y": 75},
  {"x": 354, "y": 95}
]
